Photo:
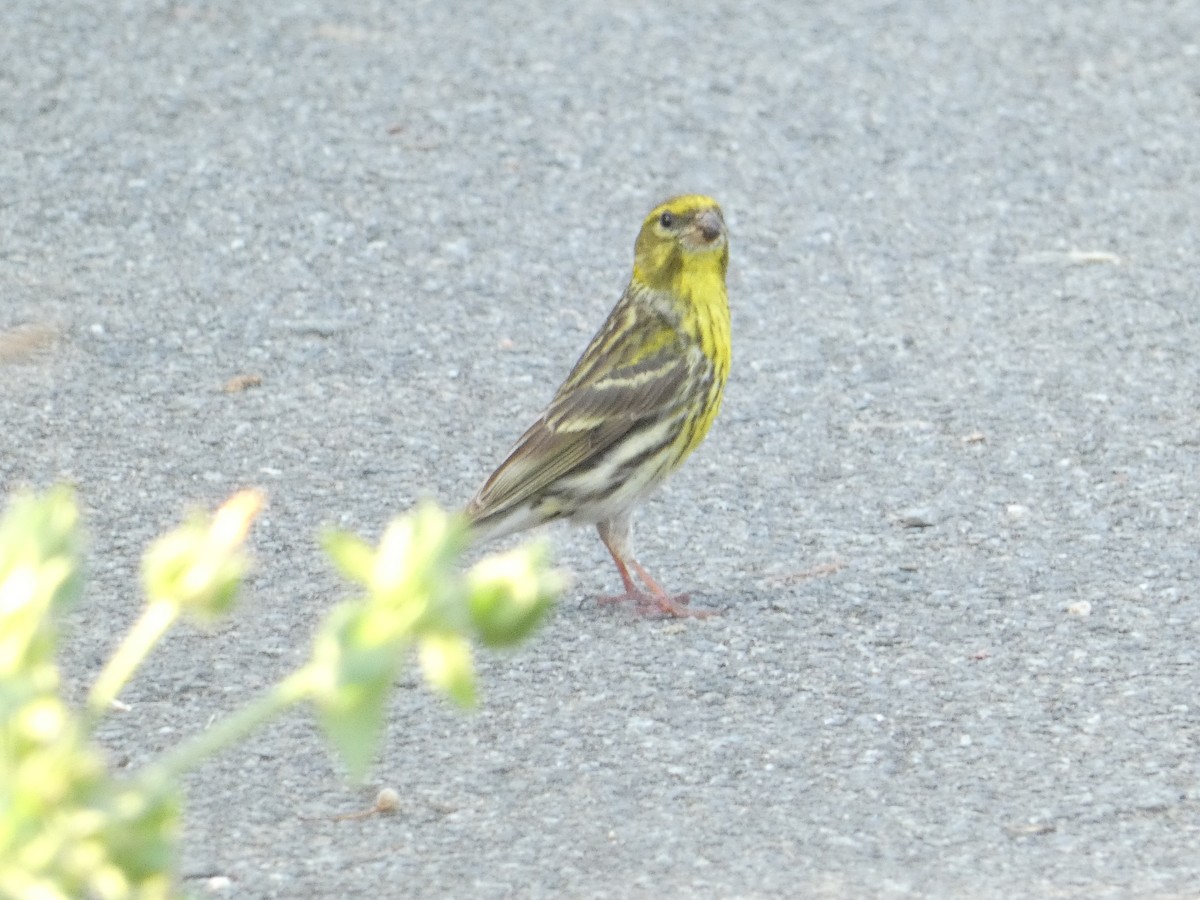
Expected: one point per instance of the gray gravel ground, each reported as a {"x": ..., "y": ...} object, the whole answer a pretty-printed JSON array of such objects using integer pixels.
[{"x": 947, "y": 516}]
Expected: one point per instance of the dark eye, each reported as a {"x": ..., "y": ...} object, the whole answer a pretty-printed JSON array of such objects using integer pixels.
[{"x": 666, "y": 220}]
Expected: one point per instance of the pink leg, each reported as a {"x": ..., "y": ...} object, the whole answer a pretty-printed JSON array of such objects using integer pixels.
[
  {"x": 631, "y": 589},
  {"x": 615, "y": 535}
]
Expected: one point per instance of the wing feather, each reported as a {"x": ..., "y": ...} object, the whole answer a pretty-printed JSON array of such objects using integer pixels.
[{"x": 634, "y": 370}]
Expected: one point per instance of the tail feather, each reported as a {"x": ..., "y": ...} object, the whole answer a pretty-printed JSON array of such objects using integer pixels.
[{"x": 487, "y": 526}]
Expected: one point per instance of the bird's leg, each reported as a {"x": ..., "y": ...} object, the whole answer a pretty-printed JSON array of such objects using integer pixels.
[
  {"x": 670, "y": 605},
  {"x": 674, "y": 605},
  {"x": 631, "y": 589},
  {"x": 615, "y": 533}
]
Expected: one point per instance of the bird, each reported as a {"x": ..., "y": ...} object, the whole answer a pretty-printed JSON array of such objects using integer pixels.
[{"x": 641, "y": 397}]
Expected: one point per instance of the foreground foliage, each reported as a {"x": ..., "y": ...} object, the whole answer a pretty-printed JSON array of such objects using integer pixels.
[{"x": 67, "y": 827}]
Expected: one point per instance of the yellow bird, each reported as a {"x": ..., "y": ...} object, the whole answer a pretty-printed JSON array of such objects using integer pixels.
[{"x": 640, "y": 399}]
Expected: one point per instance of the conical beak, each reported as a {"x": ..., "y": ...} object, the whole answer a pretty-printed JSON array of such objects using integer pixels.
[{"x": 709, "y": 225}]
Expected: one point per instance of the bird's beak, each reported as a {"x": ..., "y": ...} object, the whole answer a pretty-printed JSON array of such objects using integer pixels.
[{"x": 709, "y": 225}]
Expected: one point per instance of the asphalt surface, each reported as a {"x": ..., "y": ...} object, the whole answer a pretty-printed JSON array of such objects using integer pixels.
[{"x": 948, "y": 515}]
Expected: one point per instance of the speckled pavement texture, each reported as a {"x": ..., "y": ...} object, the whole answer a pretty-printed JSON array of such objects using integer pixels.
[{"x": 947, "y": 517}]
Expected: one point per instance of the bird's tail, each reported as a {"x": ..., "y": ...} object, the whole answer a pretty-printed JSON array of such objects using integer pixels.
[{"x": 488, "y": 525}]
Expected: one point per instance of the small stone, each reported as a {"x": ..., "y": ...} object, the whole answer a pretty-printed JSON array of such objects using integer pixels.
[
  {"x": 918, "y": 518},
  {"x": 387, "y": 800}
]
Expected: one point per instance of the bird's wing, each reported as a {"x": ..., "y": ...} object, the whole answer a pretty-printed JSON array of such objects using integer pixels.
[{"x": 634, "y": 370}]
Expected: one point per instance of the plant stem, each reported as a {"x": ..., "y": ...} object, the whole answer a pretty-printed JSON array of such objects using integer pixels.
[
  {"x": 158, "y": 616},
  {"x": 230, "y": 730}
]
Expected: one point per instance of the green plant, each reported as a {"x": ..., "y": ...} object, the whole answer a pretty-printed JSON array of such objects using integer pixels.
[{"x": 67, "y": 827}]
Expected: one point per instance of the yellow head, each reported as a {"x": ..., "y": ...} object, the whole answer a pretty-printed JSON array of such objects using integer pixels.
[{"x": 685, "y": 235}]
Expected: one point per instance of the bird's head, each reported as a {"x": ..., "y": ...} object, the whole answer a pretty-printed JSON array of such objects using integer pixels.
[{"x": 684, "y": 234}]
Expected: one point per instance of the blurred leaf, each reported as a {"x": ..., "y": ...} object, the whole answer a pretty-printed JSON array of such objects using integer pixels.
[
  {"x": 196, "y": 568},
  {"x": 199, "y": 566},
  {"x": 415, "y": 569},
  {"x": 351, "y": 554},
  {"x": 39, "y": 576},
  {"x": 414, "y": 590},
  {"x": 511, "y": 593},
  {"x": 446, "y": 662},
  {"x": 353, "y": 671},
  {"x": 62, "y": 831},
  {"x": 142, "y": 833}
]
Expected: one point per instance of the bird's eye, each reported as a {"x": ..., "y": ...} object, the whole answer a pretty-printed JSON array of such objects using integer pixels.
[{"x": 666, "y": 220}]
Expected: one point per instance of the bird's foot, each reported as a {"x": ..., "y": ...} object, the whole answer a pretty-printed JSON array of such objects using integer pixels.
[{"x": 661, "y": 605}]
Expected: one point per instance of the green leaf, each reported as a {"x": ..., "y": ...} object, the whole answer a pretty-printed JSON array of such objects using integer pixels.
[
  {"x": 199, "y": 566},
  {"x": 446, "y": 662},
  {"x": 510, "y": 594},
  {"x": 352, "y": 555},
  {"x": 39, "y": 576},
  {"x": 142, "y": 834},
  {"x": 353, "y": 670}
]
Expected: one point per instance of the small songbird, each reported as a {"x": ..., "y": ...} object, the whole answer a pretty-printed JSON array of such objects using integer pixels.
[{"x": 641, "y": 398}]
